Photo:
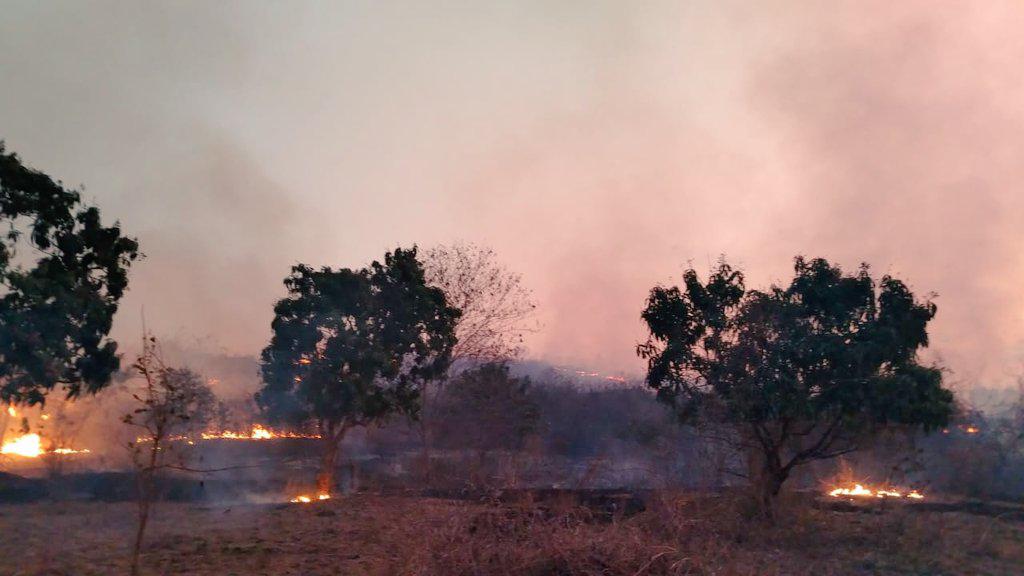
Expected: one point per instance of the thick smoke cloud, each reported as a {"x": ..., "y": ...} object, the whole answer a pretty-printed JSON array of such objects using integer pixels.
[{"x": 599, "y": 148}]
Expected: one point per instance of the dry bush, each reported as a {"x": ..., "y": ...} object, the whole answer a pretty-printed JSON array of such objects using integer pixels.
[
  {"x": 716, "y": 535},
  {"x": 525, "y": 539}
]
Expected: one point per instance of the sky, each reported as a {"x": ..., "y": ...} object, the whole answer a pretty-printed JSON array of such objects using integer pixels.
[{"x": 598, "y": 147}]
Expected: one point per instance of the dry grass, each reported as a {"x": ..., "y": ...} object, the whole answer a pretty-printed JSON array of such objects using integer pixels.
[
  {"x": 366, "y": 534},
  {"x": 680, "y": 535}
]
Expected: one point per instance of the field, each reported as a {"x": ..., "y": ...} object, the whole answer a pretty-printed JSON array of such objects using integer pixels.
[{"x": 373, "y": 534}]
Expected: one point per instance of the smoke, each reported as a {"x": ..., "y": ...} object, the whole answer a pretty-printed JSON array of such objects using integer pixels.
[
  {"x": 905, "y": 125},
  {"x": 599, "y": 149}
]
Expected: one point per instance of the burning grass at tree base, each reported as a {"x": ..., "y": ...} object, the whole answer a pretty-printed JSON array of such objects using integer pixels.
[
  {"x": 32, "y": 445},
  {"x": 366, "y": 534}
]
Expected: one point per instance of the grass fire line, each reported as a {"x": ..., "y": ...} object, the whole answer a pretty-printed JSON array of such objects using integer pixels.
[{"x": 859, "y": 491}]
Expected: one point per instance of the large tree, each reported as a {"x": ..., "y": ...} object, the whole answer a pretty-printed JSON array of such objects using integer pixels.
[
  {"x": 351, "y": 347},
  {"x": 797, "y": 373},
  {"x": 62, "y": 273}
]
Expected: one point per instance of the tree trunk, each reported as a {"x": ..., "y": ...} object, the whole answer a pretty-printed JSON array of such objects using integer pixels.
[
  {"x": 428, "y": 476},
  {"x": 146, "y": 487},
  {"x": 767, "y": 476},
  {"x": 328, "y": 465},
  {"x": 137, "y": 548},
  {"x": 771, "y": 485},
  {"x": 426, "y": 424}
]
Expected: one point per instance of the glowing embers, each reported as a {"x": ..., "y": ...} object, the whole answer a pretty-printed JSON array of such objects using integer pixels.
[
  {"x": 859, "y": 491},
  {"x": 257, "y": 433},
  {"x": 31, "y": 446},
  {"x": 304, "y": 499}
]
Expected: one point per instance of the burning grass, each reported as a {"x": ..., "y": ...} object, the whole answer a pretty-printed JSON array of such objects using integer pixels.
[
  {"x": 716, "y": 535},
  {"x": 31, "y": 446},
  {"x": 859, "y": 491},
  {"x": 365, "y": 534}
]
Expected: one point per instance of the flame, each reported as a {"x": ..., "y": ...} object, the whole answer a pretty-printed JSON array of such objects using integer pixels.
[
  {"x": 69, "y": 451},
  {"x": 31, "y": 446},
  {"x": 11, "y": 411},
  {"x": 304, "y": 499},
  {"x": 859, "y": 490},
  {"x": 256, "y": 433}
]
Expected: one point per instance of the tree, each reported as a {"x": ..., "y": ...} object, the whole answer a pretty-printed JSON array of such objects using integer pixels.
[
  {"x": 801, "y": 373},
  {"x": 497, "y": 311},
  {"x": 351, "y": 347},
  {"x": 486, "y": 408},
  {"x": 172, "y": 405},
  {"x": 62, "y": 274}
]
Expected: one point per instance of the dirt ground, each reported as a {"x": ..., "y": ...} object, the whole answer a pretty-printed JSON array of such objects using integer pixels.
[
  {"x": 355, "y": 536},
  {"x": 366, "y": 534}
]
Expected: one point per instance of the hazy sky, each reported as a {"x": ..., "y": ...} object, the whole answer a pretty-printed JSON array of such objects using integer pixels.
[{"x": 598, "y": 147}]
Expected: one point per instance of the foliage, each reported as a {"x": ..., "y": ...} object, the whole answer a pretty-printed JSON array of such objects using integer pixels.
[
  {"x": 497, "y": 311},
  {"x": 351, "y": 347},
  {"x": 486, "y": 408},
  {"x": 803, "y": 372},
  {"x": 62, "y": 274},
  {"x": 173, "y": 403}
]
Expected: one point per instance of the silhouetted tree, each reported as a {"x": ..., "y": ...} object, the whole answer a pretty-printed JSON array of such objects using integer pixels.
[
  {"x": 351, "y": 347},
  {"x": 497, "y": 310},
  {"x": 803, "y": 372},
  {"x": 62, "y": 274},
  {"x": 485, "y": 409},
  {"x": 172, "y": 405}
]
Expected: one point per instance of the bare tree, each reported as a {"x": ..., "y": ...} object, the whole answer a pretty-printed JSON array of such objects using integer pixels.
[
  {"x": 497, "y": 313},
  {"x": 497, "y": 310},
  {"x": 173, "y": 404}
]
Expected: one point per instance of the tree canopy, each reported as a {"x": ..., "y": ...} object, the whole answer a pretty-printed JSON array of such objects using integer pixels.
[
  {"x": 351, "y": 347},
  {"x": 803, "y": 372},
  {"x": 486, "y": 408},
  {"x": 62, "y": 273}
]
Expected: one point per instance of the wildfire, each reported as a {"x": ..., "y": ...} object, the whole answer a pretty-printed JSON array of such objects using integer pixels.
[
  {"x": 257, "y": 433},
  {"x": 31, "y": 446},
  {"x": 859, "y": 491},
  {"x": 11, "y": 411},
  {"x": 304, "y": 499}
]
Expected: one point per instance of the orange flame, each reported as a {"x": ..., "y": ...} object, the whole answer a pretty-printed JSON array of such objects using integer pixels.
[
  {"x": 304, "y": 499},
  {"x": 859, "y": 491},
  {"x": 31, "y": 446}
]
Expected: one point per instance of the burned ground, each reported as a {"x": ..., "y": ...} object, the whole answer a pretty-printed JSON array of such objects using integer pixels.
[{"x": 677, "y": 533}]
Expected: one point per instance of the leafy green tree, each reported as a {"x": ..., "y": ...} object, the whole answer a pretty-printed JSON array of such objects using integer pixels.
[
  {"x": 798, "y": 373},
  {"x": 62, "y": 274},
  {"x": 351, "y": 347}
]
